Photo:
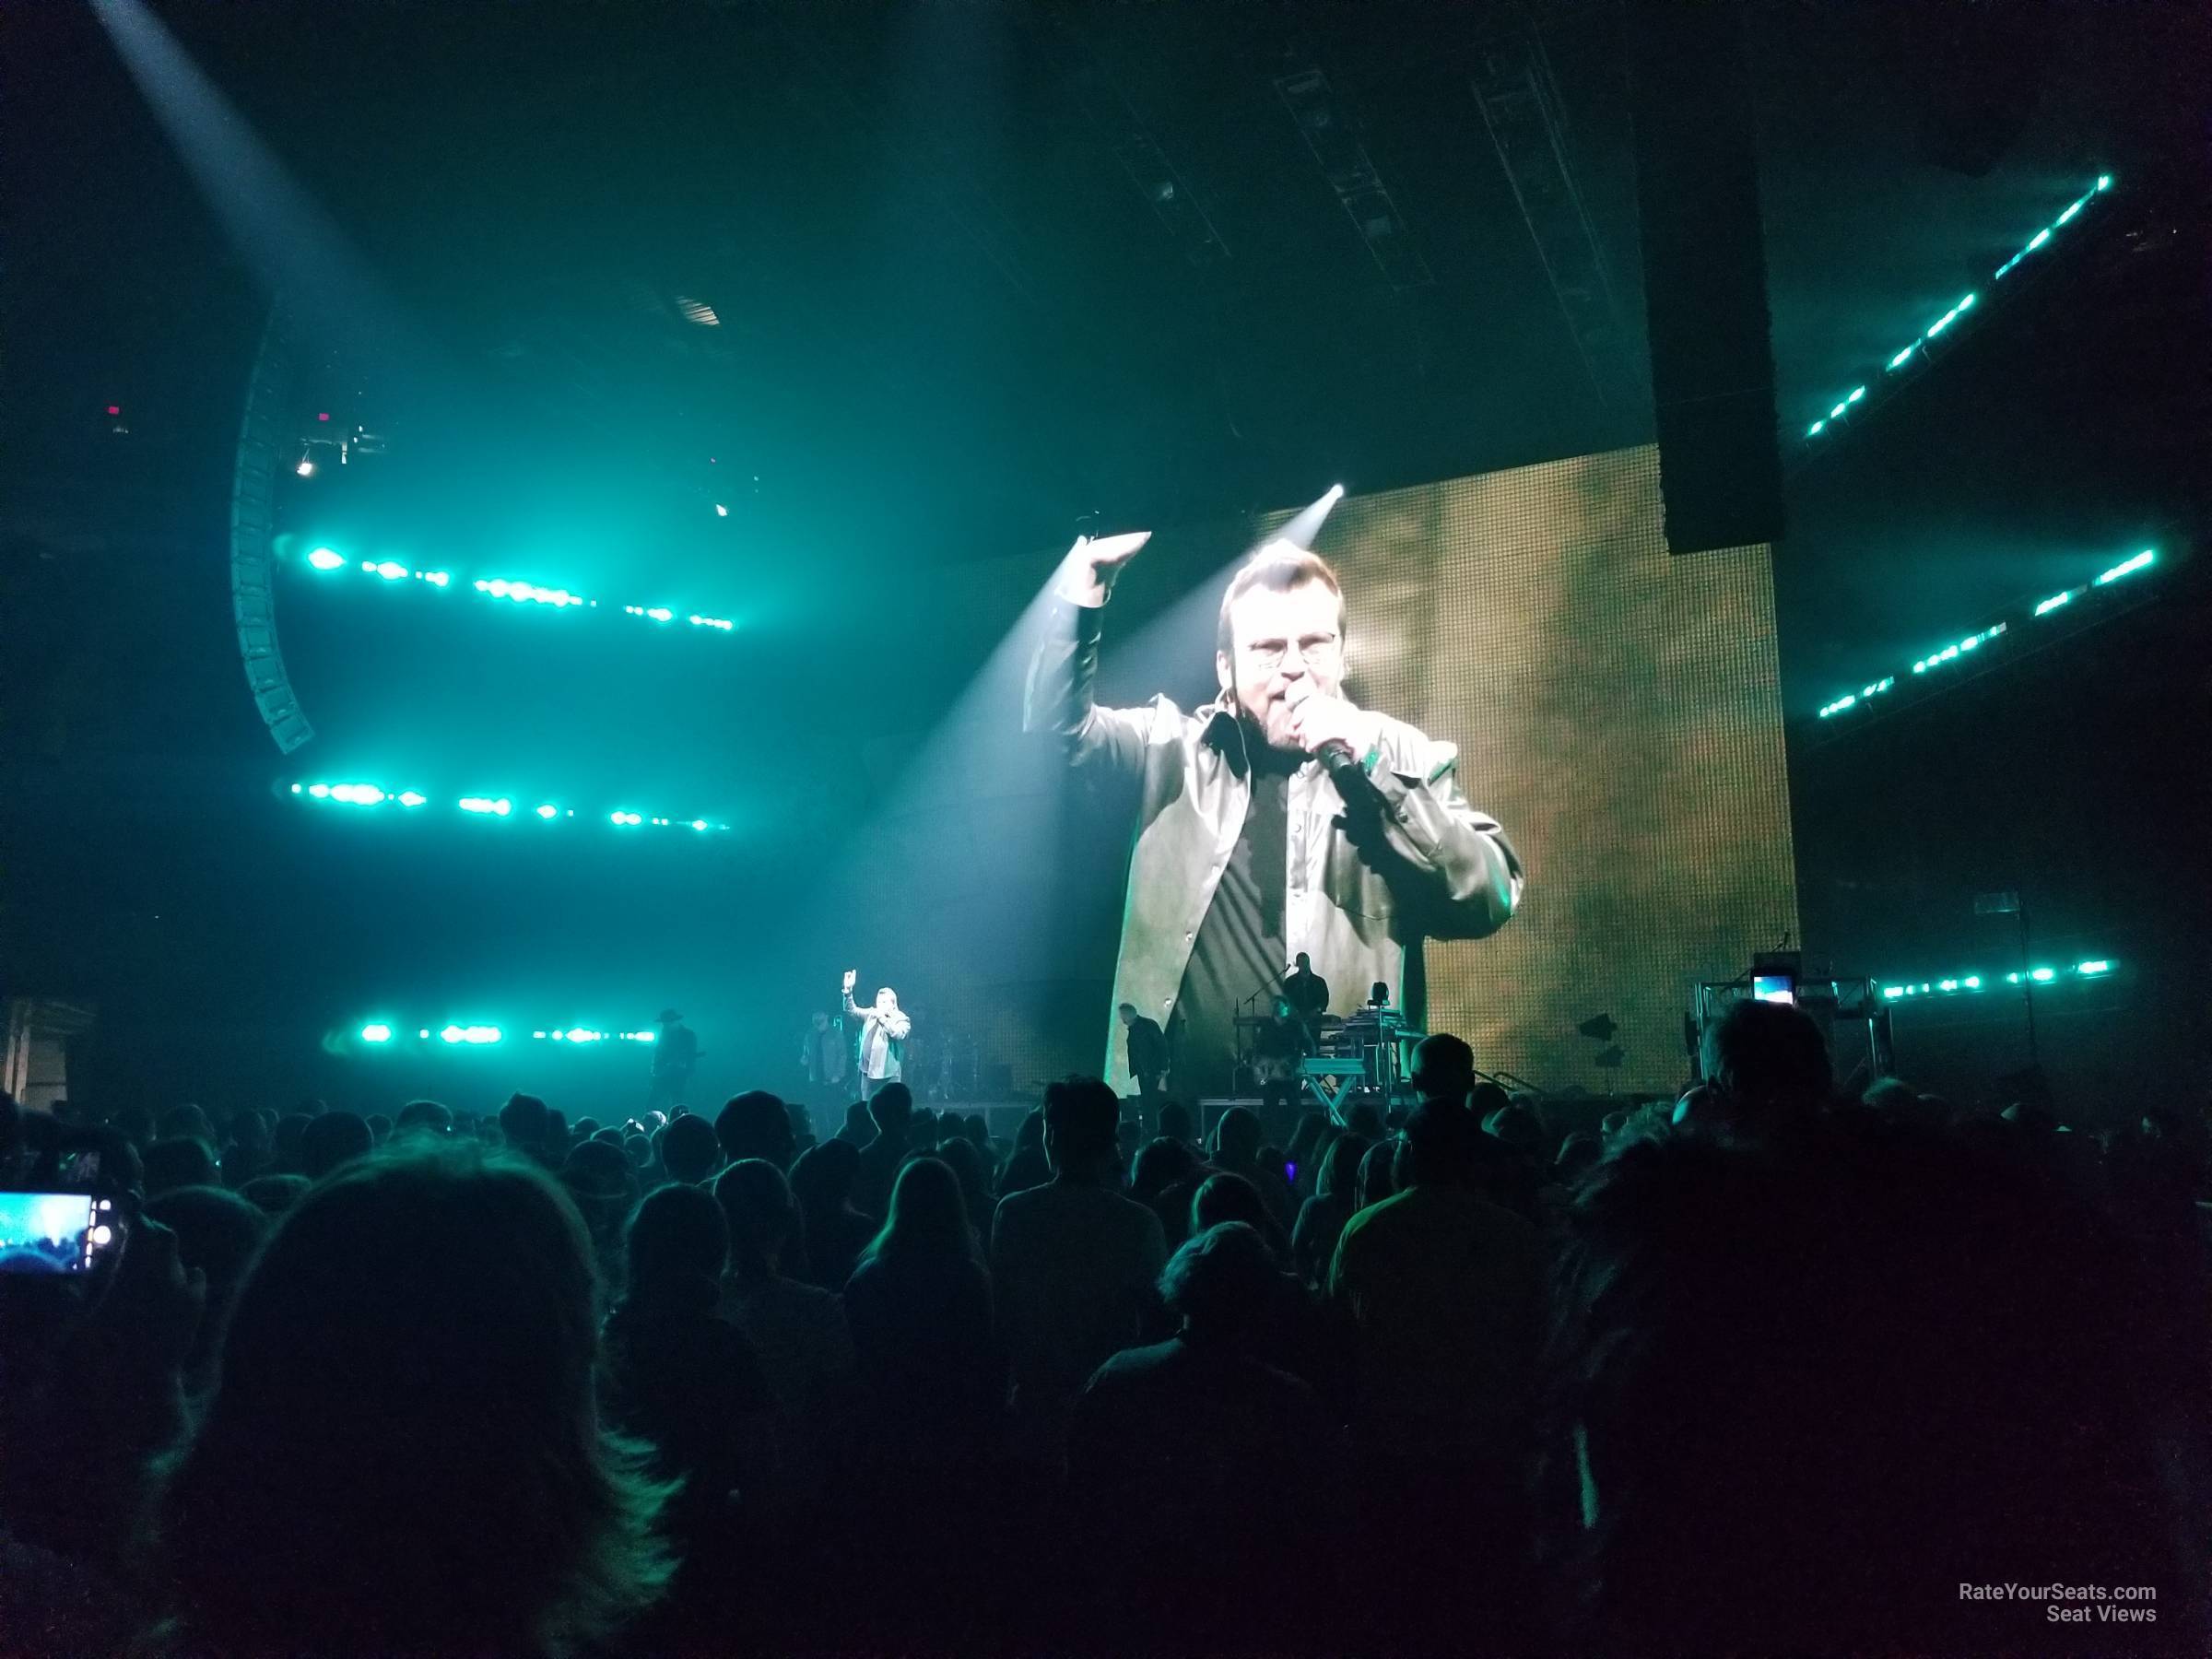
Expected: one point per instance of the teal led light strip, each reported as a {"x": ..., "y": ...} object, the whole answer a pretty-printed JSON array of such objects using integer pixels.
[
  {"x": 376, "y": 795},
  {"x": 1915, "y": 349},
  {"x": 329, "y": 560},
  {"x": 1969, "y": 984},
  {"x": 382, "y": 1032},
  {"x": 1959, "y": 650}
]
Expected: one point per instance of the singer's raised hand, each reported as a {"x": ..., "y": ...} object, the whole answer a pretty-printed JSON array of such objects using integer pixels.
[{"x": 1087, "y": 574}]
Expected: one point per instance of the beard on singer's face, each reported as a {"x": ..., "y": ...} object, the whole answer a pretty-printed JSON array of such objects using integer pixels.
[{"x": 1264, "y": 708}]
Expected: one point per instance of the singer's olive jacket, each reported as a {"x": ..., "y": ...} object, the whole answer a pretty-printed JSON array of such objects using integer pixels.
[{"x": 1406, "y": 859}]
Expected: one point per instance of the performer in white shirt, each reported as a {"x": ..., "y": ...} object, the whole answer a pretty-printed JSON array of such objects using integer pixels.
[{"x": 884, "y": 1028}]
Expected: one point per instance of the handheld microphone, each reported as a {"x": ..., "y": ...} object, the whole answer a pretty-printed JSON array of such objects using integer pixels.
[{"x": 1341, "y": 764}]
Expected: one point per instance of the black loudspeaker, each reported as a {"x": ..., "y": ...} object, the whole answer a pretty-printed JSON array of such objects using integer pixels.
[{"x": 1704, "y": 275}]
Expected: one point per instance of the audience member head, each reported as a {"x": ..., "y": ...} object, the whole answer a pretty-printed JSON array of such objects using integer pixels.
[
  {"x": 928, "y": 1215},
  {"x": 184, "y": 1161},
  {"x": 1579, "y": 1153},
  {"x": 1363, "y": 1119},
  {"x": 1378, "y": 1178},
  {"x": 1485, "y": 1098},
  {"x": 284, "y": 1141},
  {"x": 332, "y": 1139},
  {"x": 1081, "y": 1117},
  {"x": 1893, "y": 1098},
  {"x": 1443, "y": 1068},
  {"x": 1029, "y": 1132},
  {"x": 859, "y": 1127},
  {"x": 756, "y": 1200},
  {"x": 1516, "y": 1126},
  {"x": 923, "y": 1130},
  {"x": 638, "y": 1149},
  {"x": 1175, "y": 1123},
  {"x": 1443, "y": 1146},
  {"x": 1127, "y": 1012},
  {"x": 424, "y": 1117},
  {"x": 754, "y": 1124},
  {"x": 380, "y": 1128},
  {"x": 524, "y": 1120},
  {"x": 274, "y": 1195},
  {"x": 1160, "y": 1164},
  {"x": 675, "y": 1247},
  {"x": 217, "y": 1232},
  {"x": 691, "y": 1149},
  {"x": 181, "y": 1121},
  {"x": 889, "y": 1109},
  {"x": 330, "y": 1456},
  {"x": 822, "y": 1179},
  {"x": 1237, "y": 1136},
  {"x": 596, "y": 1174},
  {"x": 1765, "y": 1060},
  {"x": 1218, "y": 1282},
  {"x": 1339, "y": 1174},
  {"x": 1230, "y": 1197}
]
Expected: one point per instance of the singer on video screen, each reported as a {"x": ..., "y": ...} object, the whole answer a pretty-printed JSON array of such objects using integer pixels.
[{"x": 1279, "y": 819}]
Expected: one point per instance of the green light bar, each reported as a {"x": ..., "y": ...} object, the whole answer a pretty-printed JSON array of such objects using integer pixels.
[
  {"x": 1968, "y": 985},
  {"x": 2128, "y": 567},
  {"x": 1904, "y": 357},
  {"x": 497, "y": 807}
]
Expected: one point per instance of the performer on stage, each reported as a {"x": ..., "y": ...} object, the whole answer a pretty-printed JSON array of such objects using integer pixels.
[
  {"x": 1306, "y": 991},
  {"x": 884, "y": 1028},
  {"x": 1279, "y": 816},
  {"x": 674, "y": 1057},
  {"x": 1148, "y": 1056}
]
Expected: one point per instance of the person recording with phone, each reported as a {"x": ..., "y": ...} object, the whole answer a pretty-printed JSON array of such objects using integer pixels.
[
  {"x": 884, "y": 1028},
  {"x": 1279, "y": 817}
]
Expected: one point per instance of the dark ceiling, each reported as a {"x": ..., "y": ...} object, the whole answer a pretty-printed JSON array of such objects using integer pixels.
[{"x": 953, "y": 314}]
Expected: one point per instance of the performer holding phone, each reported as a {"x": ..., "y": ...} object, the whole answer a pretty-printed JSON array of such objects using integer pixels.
[{"x": 884, "y": 1028}]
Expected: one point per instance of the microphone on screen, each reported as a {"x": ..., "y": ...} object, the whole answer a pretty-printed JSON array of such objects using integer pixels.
[{"x": 1341, "y": 764}]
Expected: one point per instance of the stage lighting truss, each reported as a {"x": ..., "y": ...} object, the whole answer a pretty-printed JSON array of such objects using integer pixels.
[
  {"x": 495, "y": 807},
  {"x": 1959, "y": 651},
  {"x": 1917, "y": 350},
  {"x": 384, "y": 1033},
  {"x": 329, "y": 561},
  {"x": 325, "y": 443},
  {"x": 1979, "y": 984},
  {"x": 1351, "y": 174},
  {"x": 1166, "y": 192},
  {"x": 1514, "y": 88}
]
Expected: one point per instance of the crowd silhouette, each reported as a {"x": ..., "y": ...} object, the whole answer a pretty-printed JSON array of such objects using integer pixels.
[{"x": 1756, "y": 1371}]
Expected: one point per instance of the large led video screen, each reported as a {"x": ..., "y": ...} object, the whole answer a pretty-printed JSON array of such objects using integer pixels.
[
  {"x": 1615, "y": 708},
  {"x": 1617, "y": 711}
]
